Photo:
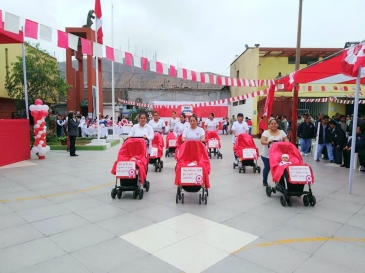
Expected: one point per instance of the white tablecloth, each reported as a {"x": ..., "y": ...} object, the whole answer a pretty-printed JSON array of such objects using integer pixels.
[{"x": 126, "y": 129}]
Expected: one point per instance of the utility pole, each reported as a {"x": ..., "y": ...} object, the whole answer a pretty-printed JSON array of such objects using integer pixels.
[{"x": 296, "y": 86}]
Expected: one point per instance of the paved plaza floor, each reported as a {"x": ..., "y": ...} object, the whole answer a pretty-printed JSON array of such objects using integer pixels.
[{"x": 57, "y": 216}]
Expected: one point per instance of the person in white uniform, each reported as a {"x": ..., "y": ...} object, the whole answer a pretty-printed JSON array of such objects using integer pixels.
[
  {"x": 158, "y": 125},
  {"x": 193, "y": 132},
  {"x": 211, "y": 124},
  {"x": 238, "y": 127},
  {"x": 142, "y": 129},
  {"x": 181, "y": 125},
  {"x": 173, "y": 121}
]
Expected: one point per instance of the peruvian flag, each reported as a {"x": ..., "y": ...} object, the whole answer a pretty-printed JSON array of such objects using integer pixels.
[
  {"x": 353, "y": 58},
  {"x": 99, "y": 22},
  {"x": 269, "y": 101}
]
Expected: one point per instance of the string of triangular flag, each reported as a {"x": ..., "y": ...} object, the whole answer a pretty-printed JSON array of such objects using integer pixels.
[
  {"x": 66, "y": 40},
  {"x": 332, "y": 99}
]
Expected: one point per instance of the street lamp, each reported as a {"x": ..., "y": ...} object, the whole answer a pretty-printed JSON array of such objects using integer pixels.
[{"x": 296, "y": 87}]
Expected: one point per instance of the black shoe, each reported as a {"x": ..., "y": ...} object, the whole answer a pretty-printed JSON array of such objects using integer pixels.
[
  {"x": 325, "y": 158},
  {"x": 332, "y": 161},
  {"x": 363, "y": 170},
  {"x": 343, "y": 165},
  {"x": 317, "y": 160},
  {"x": 74, "y": 155},
  {"x": 264, "y": 184}
]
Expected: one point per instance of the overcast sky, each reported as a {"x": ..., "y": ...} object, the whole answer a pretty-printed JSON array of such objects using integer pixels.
[{"x": 203, "y": 35}]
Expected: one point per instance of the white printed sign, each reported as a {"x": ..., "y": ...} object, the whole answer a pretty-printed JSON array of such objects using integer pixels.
[
  {"x": 187, "y": 109},
  {"x": 154, "y": 152},
  {"x": 192, "y": 175},
  {"x": 300, "y": 174},
  {"x": 213, "y": 143},
  {"x": 126, "y": 169},
  {"x": 249, "y": 153},
  {"x": 172, "y": 142}
]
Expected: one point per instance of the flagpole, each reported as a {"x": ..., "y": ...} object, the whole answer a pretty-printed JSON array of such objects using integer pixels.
[
  {"x": 354, "y": 126},
  {"x": 25, "y": 79},
  {"x": 317, "y": 140},
  {"x": 113, "y": 90}
]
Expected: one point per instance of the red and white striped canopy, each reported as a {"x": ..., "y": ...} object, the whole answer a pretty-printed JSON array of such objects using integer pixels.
[{"x": 327, "y": 71}]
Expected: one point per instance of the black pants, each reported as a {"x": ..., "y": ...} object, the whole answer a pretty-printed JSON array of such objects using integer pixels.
[
  {"x": 337, "y": 154},
  {"x": 347, "y": 156},
  {"x": 361, "y": 156},
  {"x": 72, "y": 145}
]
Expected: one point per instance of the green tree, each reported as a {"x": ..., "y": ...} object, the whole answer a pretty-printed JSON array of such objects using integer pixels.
[
  {"x": 44, "y": 79},
  {"x": 133, "y": 115}
]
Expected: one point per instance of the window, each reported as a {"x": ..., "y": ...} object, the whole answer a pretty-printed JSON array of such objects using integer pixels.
[
  {"x": 303, "y": 60},
  {"x": 242, "y": 102},
  {"x": 235, "y": 103},
  {"x": 129, "y": 106},
  {"x": 238, "y": 74}
]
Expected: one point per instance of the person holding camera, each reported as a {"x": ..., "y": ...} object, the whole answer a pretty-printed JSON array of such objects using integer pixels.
[{"x": 73, "y": 130}]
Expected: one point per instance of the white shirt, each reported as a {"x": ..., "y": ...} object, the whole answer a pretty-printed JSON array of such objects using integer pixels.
[
  {"x": 265, "y": 148},
  {"x": 138, "y": 131},
  {"x": 193, "y": 134},
  {"x": 157, "y": 126},
  {"x": 239, "y": 128},
  {"x": 180, "y": 127},
  {"x": 173, "y": 123},
  {"x": 211, "y": 124}
]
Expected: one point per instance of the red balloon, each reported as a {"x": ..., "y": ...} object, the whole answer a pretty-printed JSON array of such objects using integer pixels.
[
  {"x": 44, "y": 145},
  {"x": 42, "y": 124},
  {"x": 33, "y": 113},
  {"x": 44, "y": 135},
  {"x": 44, "y": 113},
  {"x": 38, "y": 102}
]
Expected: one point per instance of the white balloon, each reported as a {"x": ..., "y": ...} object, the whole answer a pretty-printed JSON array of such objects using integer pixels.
[
  {"x": 39, "y": 121},
  {"x": 35, "y": 150},
  {"x": 41, "y": 142},
  {"x": 39, "y": 146},
  {"x": 48, "y": 148},
  {"x": 38, "y": 108},
  {"x": 45, "y": 107},
  {"x": 42, "y": 150},
  {"x": 32, "y": 107},
  {"x": 37, "y": 126}
]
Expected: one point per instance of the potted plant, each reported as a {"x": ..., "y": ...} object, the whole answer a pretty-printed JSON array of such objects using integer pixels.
[{"x": 63, "y": 140}]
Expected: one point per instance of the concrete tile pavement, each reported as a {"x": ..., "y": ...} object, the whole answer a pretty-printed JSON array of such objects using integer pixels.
[{"x": 57, "y": 216}]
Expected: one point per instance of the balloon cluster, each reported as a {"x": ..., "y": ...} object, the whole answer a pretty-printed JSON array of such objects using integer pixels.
[{"x": 39, "y": 112}]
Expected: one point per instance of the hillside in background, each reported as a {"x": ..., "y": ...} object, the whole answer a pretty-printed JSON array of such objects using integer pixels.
[{"x": 134, "y": 77}]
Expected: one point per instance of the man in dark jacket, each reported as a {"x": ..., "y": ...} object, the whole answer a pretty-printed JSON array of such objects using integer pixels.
[
  {"x": 360, "y": 123},
  {"x": 73, "y": 128},
  {"x": 338, "y": 138},
  {"x": 324, "y": 139},
  {"x": 306, "y": 132}
]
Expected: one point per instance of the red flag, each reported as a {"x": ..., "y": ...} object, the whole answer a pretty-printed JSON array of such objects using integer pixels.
[
  {"x": 269, "y": 101},
  {"x": 99, "y": 22},
  {"x": 353, "y": 58}
]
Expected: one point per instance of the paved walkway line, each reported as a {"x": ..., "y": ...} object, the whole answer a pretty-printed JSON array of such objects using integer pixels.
[
  {"x": 299, "y": 240},
  {"x": 59, "y": 194}
]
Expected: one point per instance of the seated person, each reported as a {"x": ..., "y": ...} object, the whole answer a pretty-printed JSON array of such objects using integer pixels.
[
  {"x": 284, "y": 160},
  {"x": 359, "y": 149}
]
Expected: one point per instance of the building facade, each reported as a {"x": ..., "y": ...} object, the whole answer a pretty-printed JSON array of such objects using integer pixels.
[
  {"x": 260, "y": 63},
  {"x": 8, "y": 55}
]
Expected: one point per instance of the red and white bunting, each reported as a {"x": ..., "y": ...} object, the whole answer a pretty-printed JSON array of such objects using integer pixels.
[
  {"x": 32, "y": 29},
  {"x": 127, "y": 102},
  {"x": 318, "y": 100}
]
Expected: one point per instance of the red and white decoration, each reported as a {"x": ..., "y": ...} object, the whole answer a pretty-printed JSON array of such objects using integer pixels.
[
  {"x": 68, "y": 40},
  {"x": 39, "y": 112},
  {"x": 127, "y": 102},
  {"x": 333, "y": 100},
  {"x": 353, "y": 59},
  {"x": 99, "y": 22}
]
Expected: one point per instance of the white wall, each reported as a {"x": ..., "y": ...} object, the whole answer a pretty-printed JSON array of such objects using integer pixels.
[{"x": 246, "y": 109}]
